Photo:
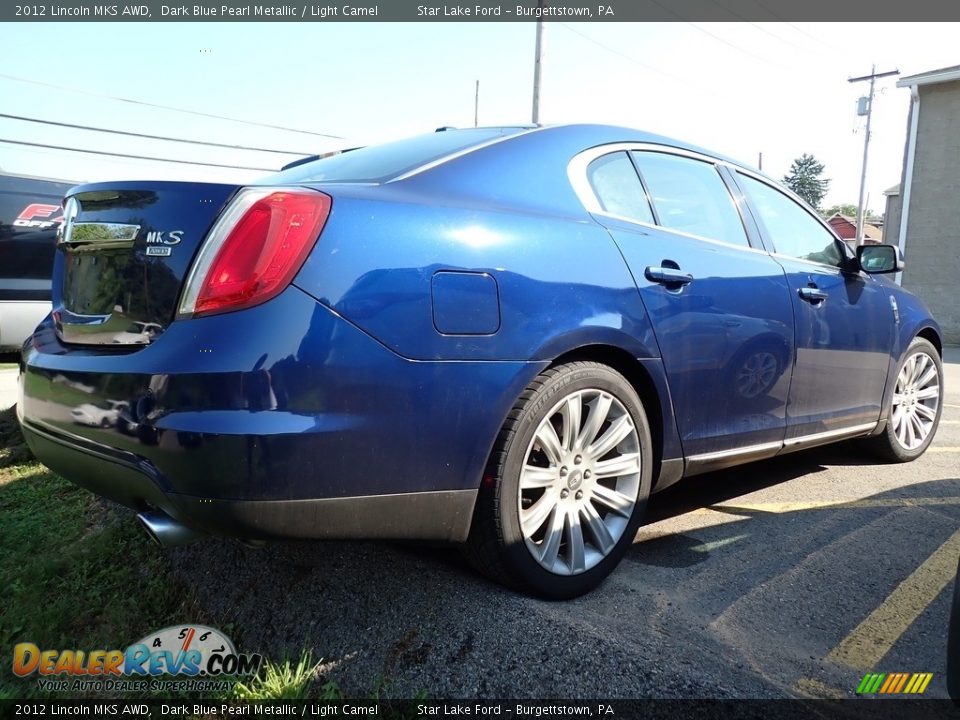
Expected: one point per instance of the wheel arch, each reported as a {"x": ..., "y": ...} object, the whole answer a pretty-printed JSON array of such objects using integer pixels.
[
  {"x": 931, "y": 335},
  {"x": 648, "y": 380}
]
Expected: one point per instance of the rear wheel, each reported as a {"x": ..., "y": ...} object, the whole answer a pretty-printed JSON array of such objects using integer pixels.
[
  {"x": 567, "y": 483},
  {"x": 915, "y": 405}
]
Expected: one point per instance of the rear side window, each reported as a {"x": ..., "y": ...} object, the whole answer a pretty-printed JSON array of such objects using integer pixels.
[
  {"x": 792, "y": 229},
  {"x": 690, "y": 196},
  {"x": 617, "y": 186},
  {"x": 379, "y": 163}
]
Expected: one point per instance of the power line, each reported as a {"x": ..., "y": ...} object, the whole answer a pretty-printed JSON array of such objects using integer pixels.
[
  {"x": 134, "y": 157},
  {"x": 168, "y": 107},
  {"x": 718, "y": 38},
  {"x": 628, "y": 58},
  {"x": 154, "y": 137}
]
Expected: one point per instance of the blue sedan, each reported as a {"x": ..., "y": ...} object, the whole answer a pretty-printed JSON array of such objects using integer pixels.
[{"x": 506, "y": 338}]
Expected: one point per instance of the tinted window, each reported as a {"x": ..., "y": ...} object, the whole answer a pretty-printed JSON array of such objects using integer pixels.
[
  {"x": 793, "y": 230},
  {"x": 378, "y": 163},
  {"x": 690, "y": 196},
  {"x": 618, "y": 188}
]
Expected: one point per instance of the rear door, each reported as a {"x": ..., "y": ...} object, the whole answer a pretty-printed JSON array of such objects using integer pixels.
[
  {"x": 719, "y": 304},
  {"x": 844, "y": 320}
]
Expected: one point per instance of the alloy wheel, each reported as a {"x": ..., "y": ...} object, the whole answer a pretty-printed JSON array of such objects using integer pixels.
[
  {"x": 916, "y": 400},
  {"x": 580, "y": 482}
]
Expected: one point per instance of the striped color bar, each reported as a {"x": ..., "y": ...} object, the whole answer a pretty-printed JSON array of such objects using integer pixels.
[{"x": 894, "y": 683}]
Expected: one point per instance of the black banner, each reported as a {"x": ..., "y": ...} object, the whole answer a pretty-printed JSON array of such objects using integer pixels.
[
  {"x": 868, "y": 709},
  {"x": 508, "y": 11}
]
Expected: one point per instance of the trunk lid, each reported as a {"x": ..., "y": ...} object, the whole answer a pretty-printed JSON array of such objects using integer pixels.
[{"x": 123, "y": 253}]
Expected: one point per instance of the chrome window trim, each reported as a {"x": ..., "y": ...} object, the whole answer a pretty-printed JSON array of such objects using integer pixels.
[
  {"x": 460, "y": 153},
  {"x": 577, "y": 175}
]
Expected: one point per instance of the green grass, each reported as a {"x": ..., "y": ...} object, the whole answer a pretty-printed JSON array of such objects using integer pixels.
[
  {"x": 74, "y": 571},
  {"x": 284, "y": 681}
]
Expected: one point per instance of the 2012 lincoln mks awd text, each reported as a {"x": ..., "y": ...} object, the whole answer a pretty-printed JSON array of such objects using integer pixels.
[{"x": 500, "y": 337}]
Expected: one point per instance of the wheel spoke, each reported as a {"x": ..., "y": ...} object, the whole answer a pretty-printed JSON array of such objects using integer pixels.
[
  {"x": 615, "y": 467},
  {"x": 598, "y": 529},
  {"x": 929, "y": 393},
  {"x": 551, "y": 542},
  {"x": 618, "y": 502},
  {"x": 533, "y": 517},
  {"x": 571, "y": 413},
  {"x": 618, "y": 430},
  {"x": 577, "y": 556},
  {"x": 598, "y": 413},
  {"x": 922, "y": 362},
  {"x": 900, "y": 425},
  {"x": 920, "y": 432},
  {"x": 550, "y": 442},
  {"x": 927, "y": 412},
  {"x": 532, "y": 477},
  {"x": 910, "y": 368},
  {"x": 911, "y": 436},
  {"x": 927, "y": 377}
]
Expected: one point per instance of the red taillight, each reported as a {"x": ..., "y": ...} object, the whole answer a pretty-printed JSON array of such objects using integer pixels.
[{"x": 255, "y": 249}]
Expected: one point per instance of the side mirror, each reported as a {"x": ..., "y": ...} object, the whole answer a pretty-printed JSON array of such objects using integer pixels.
[{"x": 879, "y": 259}]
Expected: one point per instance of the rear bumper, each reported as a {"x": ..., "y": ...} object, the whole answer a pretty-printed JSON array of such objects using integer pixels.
[
  {"x": 283, "y": 420},
  {"x": 136, "y": 483}
]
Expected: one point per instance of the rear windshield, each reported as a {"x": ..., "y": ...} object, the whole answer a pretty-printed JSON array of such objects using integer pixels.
[{"x": 378, "y": 163}]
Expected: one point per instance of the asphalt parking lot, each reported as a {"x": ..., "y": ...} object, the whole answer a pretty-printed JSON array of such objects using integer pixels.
[{"x": 791, "y": 577}]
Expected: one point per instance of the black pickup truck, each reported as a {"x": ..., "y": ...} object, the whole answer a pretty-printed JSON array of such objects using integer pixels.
[{"x": 30, "y": 214}]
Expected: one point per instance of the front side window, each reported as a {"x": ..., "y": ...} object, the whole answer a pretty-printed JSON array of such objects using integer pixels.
[
  {"x": 690, "y": 196},
  {"x": 793, "y": 231},
  {"x": 617, "y": 186}
]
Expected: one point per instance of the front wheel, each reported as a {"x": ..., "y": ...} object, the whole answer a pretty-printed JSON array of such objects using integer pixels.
[
  {"x": 915, "y": 405},
  {"x": 567, "y": 483}
]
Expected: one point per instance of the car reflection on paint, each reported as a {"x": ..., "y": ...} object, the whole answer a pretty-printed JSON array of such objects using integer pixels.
[{"x": 96, "y": 416}]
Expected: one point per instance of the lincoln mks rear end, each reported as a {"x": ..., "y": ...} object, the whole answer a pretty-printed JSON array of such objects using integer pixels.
[{"x": 500, "y": 337}]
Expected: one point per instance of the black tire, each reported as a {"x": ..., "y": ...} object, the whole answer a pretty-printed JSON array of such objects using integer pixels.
[
  {"x": 497, "y": 546},
  {"x": 886, "y": 445}
]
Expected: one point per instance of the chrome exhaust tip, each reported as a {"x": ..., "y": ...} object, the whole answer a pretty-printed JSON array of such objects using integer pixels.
[{"x": 165, "y": 531}]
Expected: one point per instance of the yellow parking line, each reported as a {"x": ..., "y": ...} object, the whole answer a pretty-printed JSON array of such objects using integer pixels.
[
  {"x": 943, "y": 450},
  {"x": 866, "y": 645},
  {"x": 808, "y": 687},
  {"x": 950, "y": 422},
  {"x": 799, "y": 506}
]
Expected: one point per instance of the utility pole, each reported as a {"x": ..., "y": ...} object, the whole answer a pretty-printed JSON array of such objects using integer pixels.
[
  {"x": 536, "y": 63},
  {"x": 872, "y": 77},
  {"x": 760, "y": 162},
  {"x": 476, "y": 104}
]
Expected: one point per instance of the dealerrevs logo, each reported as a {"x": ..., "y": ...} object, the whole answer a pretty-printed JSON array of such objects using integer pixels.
[
  {"x": 193, "y": 651},
  {"x": 39, "y": 216}
]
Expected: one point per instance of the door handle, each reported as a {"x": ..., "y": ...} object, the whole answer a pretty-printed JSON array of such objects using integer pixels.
[
  {"x": 667, "y": 275},
  {"x": 813, "y": 295}
]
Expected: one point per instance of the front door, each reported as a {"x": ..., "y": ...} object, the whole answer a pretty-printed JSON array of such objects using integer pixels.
[{"x": 844, "y": 320}]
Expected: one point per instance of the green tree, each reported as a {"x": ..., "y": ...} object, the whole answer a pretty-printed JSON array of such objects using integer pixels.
[
  {"x": 848, "y": 209},
  {"x": 805, "y": 179}
]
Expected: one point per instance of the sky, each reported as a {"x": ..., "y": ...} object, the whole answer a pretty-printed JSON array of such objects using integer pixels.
[{"x": 740, "y": 89}]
